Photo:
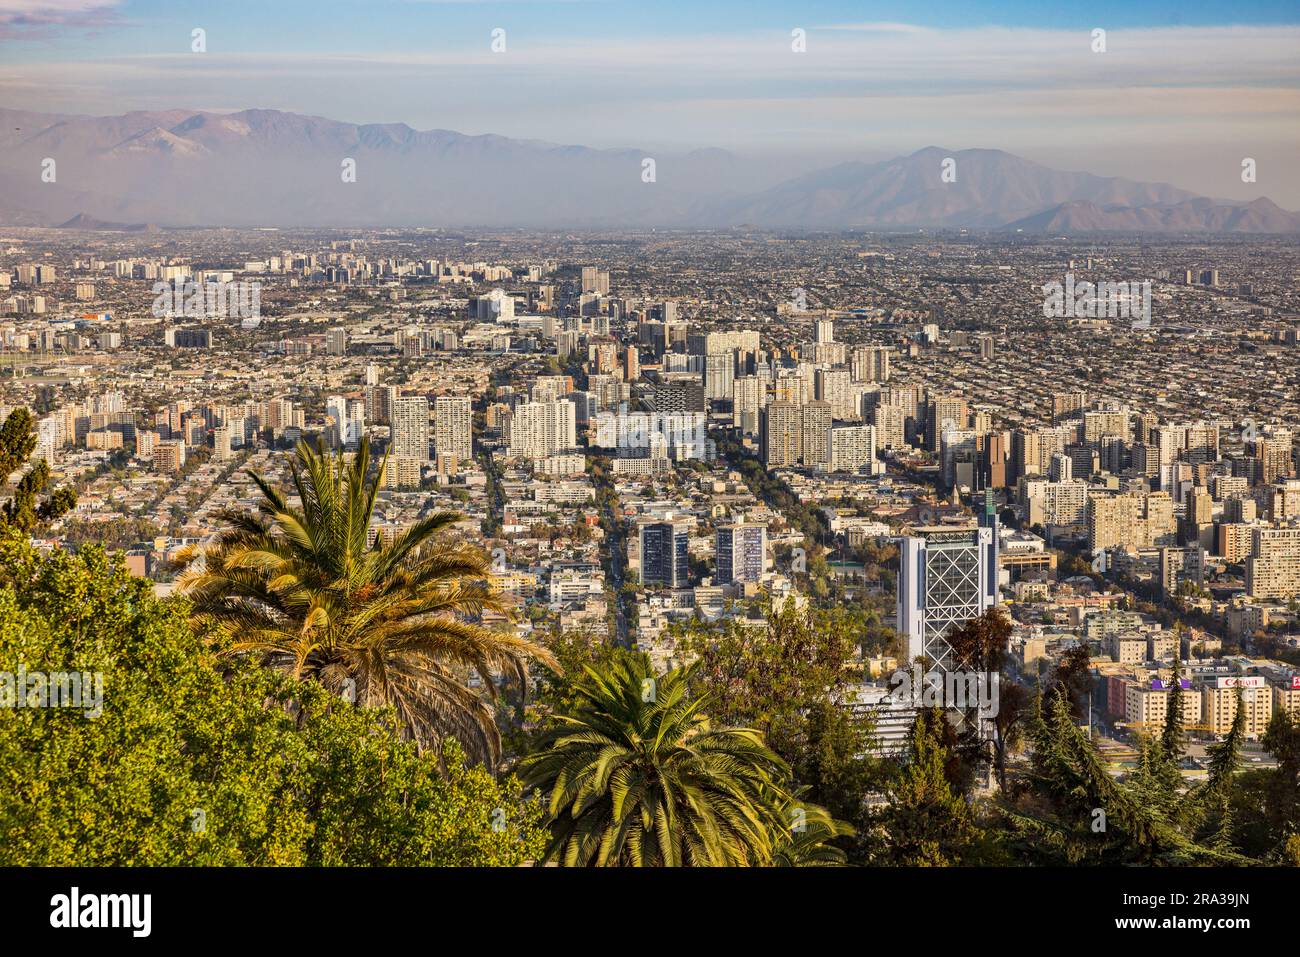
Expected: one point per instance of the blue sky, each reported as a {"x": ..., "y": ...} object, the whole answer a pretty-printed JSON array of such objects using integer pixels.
[
  {"x": 135, "y": 26},
  {"x": 1182, "y": 93}
]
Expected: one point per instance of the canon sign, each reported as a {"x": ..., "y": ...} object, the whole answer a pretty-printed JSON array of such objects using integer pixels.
[{"x": 1241, "y": 681}]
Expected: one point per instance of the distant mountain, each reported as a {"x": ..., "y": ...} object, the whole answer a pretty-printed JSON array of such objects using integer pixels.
[
  {"x": 266, "y": 167},
  {"x": 82, "y": 221},
  {"x": 988, "y": 188},
  {"x": 1190, "y": 216}
]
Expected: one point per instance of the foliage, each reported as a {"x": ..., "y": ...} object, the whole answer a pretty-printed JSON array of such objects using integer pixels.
[
  {"x": 768, "y": 674},
  {"x": 199, "y": 759},
  {"x": 300, "y": 588},
  {"x": 638, "y": 775},
  {"x": 787, "y": 676},
  {"x": 980, "y": 645},
  {"x": 926, "y": 822},
  {"x": 1074, "y": 811},
  {"x": 25, "y": 510}
]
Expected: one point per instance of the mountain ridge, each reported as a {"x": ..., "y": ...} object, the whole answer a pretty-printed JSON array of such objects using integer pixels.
[{"x": 258, "y": 167}]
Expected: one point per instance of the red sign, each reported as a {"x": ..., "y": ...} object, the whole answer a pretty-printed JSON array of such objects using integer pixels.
[{"x": 1295, "y": 682}]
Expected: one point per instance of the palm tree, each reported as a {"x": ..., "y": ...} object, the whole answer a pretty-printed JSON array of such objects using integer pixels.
[
  {"x": 392, "y": 623},
  {"x": 636, "y": 776},
  {"x": 805, "y": 840}
]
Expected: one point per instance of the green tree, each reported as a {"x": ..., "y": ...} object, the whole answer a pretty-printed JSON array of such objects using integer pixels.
[
  {"x": 638, "y": 776},
  {"x": 1073, "y": 676},
  {"x": 198, "y": 759},
  {"x": 807, "y": 839},
  {"x": 1173, "y": 739},
  {"x": 768, "y": 675},
  {"x": 25, "y": 510},
  {"x": 299, "y": 588},
  {"x": 926, "y": 822},
  {"x": 1072, "y": 810},
  {"x": 1214, "y": 796}
]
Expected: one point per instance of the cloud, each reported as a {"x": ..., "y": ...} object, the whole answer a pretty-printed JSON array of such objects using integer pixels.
[
  {"x": 877, "y": 27},
  {"x": 39, "y": 19}
]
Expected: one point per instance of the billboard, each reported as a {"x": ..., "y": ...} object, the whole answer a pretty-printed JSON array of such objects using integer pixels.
[{"x": 1240, "y": 681}]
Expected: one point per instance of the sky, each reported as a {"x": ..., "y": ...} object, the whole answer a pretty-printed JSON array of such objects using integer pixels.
[{"x": 1182, "y": 93}]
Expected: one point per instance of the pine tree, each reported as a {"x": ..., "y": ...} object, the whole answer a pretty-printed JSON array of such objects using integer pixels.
[
  {"x": 1215, "y": 827},
  {"x": 927, "y": 823},
  {"x": 1173, "y": 737},
  {"x": 25, "y": 511}
]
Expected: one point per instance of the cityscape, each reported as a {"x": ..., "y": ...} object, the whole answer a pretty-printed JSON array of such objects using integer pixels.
[{"x": 932, "y": 509}]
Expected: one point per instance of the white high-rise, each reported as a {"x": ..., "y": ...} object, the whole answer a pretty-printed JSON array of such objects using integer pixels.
[
  {"x": 539, "y": 429},
  {"x": 453, "y": 426},
  {"x": 410, "y": 425}
]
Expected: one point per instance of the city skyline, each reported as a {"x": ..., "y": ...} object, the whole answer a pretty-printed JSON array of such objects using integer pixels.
[{"x": 593, "y": 434}]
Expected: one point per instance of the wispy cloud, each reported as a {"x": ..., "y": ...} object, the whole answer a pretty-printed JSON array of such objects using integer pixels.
[
  {"x": 877, "y": 27},
  {"x": 40, "y": 19}
]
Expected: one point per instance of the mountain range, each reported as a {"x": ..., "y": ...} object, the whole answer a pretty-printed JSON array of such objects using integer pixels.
[{"x": 182, "y": 168}]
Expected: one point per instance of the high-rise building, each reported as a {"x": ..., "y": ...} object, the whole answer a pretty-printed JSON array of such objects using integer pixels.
[
  {"x": 595, "y": 280},
  {"x": 1179, "y": 566},
  {"x": 679, "y": 435},
  {"x": 1273, "y": 568},
  {"x": 410, "y": 428},
  {"x": 453, "y": 430},
  {"x": 748, "y": 396},
  {"x": 946, "y": 577},
  {"x": 781, "y": 435},
  {"x": 891, "y": 425},
  {"x": 665, "y": 559},
  {"x": 221, "y": 450},
  {"x": 817, "y": 420},
  {"x": 742, "y": 553},
  {"x": 853, "y": 448},
  {"x": 719, "y": 374},
  {"x": 833, "y": 386},
  {"x": 540, "y": 429},
  {"x": 1143, "y": 520},
  {"x": 943, "y": 412},
  {"x": 349, "y": 423}
]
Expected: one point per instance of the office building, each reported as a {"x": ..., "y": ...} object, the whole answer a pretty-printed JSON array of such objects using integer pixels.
[
  {"x": 947, "y": 576},
  {"x": 664, "y": 553}
]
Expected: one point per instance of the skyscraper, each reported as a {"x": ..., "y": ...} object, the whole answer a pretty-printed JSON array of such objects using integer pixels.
[
  {"x": 741, "y": 553},
  {"x": 816, "y": 422},
  {"x": 453, "y": 427},
  {"x": 781, "y": 434},
  {"x": 664, "y": 553},
  {"x": 410, "y": 428},
  {"x": 539, "y": 429},
  {"x": 946, "y": 577},
  {"x": 719, "y": 374}
]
